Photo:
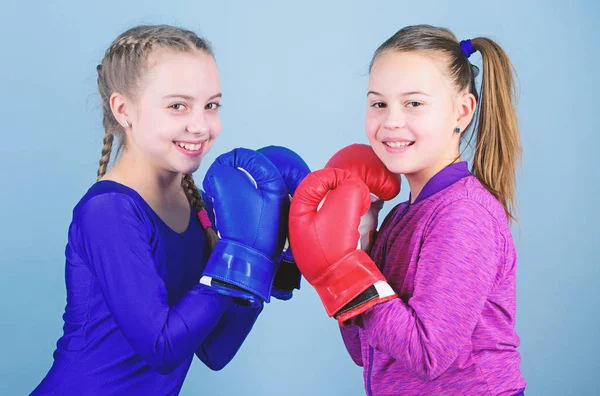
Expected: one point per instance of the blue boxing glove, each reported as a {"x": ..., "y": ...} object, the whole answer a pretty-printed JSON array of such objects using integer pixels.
[
  {"x": 251, "y": 205},
  {"x": 293, "y": 169}
]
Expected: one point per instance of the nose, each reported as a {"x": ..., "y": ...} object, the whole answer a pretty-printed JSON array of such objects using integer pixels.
[
  {"x": 395, "y": 119},
  {"x": 198, "y": 124}
]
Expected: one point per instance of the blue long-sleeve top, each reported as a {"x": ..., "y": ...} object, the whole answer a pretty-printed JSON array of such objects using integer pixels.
[{"x": 135, "y": 313}]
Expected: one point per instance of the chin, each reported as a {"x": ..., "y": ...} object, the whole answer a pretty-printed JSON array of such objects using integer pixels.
[
  {"x": 187, "y": 166},
  {"x": 189, "y": 169},
  {"x": 401, "y": 166},
  {"x": 399, "y": 169}
]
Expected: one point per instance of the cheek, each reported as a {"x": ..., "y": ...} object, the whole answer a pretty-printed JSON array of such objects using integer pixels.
[
  {"x": 158, "y": 134},
  {"x": 426, "y": 128},
  {"x": 215, "y": 128},
  {"x": 158, "y": 124},
  {"x": 372, "y": 124}
]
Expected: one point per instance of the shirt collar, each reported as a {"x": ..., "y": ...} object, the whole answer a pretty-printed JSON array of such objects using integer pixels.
[{"x": 444, "y": 178}]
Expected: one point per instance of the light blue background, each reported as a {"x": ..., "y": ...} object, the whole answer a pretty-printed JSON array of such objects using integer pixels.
[{"x": 295, "y": 74}]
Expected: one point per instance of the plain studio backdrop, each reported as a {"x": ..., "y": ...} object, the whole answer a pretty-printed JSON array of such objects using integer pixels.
[{"x": 295, "y": 74}]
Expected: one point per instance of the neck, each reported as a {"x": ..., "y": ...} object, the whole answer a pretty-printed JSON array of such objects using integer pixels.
[
  {"x": 137, "y": 172},
  {"x": 418, "y": 180}
]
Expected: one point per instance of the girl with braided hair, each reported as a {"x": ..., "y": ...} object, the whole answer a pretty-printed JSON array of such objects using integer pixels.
[{"x": 139, "y": 238}]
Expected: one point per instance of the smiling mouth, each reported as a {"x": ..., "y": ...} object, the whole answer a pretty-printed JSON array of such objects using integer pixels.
[
  {"x": 190, "y": 146},
  {"x": 397, "y": 145}
]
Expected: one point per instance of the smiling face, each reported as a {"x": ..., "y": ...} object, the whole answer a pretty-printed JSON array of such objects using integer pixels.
[
  {"x": 174, "y": 117},
  {"x": 413, "y": 110}
]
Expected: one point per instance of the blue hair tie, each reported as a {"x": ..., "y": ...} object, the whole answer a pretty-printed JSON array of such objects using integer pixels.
[{"x": 467, "y": 47}]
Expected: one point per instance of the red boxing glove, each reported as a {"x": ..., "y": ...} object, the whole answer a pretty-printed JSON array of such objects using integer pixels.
[
  {"x": 384, "y": 185},
  {"x": 325, "y": 216}
]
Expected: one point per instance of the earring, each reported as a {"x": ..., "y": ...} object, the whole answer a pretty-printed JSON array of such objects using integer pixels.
[
  {"x": 128, "y": 124},
  {"x": 457, "y": 130}
]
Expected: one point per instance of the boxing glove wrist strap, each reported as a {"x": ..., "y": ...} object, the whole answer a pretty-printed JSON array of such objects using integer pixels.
[
  {"x": 346, "y": 279},
  {"x": 242, "y": 266},
  {"x": 380, "y": 292}
]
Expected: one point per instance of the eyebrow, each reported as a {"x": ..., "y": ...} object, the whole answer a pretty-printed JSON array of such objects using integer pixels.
[
  {"x": 190, "y": 98},
  {"x": 402, "y": 94}
]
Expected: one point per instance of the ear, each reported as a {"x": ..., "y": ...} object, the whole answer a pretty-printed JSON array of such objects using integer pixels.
[
  {"x": 121, "y": 108},
  {"x": 465, "y": 109}
]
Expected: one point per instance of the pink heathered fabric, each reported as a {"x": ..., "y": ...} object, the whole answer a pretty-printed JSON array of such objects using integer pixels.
[{"x": 452, "y": 261}]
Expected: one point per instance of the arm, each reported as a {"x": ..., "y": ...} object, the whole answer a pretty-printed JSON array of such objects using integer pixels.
[
  {"x": 352, "y": 343},
  {"x": 350, "y": 333},
  {"x": 224, "y": 341},
  {"x": 457, "y": 265},
  {"x": 115, "y": 240},
  {"x": 222, "y": 344}
]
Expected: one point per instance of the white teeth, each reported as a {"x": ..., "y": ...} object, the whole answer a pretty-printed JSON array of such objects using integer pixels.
[
  {"x": 398, "y": 144},
  {"x": 187, "y": 146}
]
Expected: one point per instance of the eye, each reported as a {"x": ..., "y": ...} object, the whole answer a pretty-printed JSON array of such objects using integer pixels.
[
  {"x": 379, "y": 105},
  {"x": 414, "y": 104},
  {"x": 178, "y": 106},
  {"x": 212, "y": 106}
]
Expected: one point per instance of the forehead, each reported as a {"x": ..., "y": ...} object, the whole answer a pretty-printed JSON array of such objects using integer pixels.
[
  {"x": 190, "y": 73},
  {"x": 408, "y": 71}
]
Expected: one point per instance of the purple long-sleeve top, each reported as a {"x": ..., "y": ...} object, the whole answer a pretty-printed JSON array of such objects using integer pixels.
[
  {"x": 136, "y": 314},
  {"x": 450, "y": 257}
]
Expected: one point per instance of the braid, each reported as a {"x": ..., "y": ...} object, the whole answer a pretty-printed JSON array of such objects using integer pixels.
[
  {"x": 195, "y": 198},
  {"x": 131, "y": 47},
  {"x": 105, "y": 158}
]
